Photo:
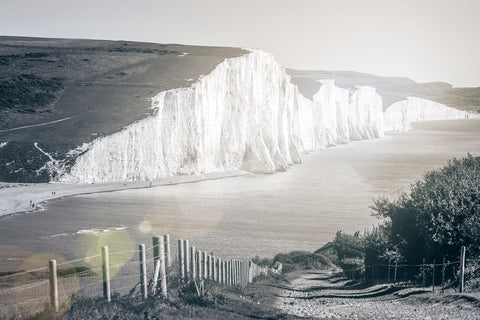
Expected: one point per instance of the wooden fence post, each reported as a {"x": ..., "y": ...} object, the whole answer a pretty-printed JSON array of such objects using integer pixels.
[
  {"x": 454, "y": 270},
  {"x": 156, "y": 274},
  {"x": 215, "y": 269},
  {"x": 462, "y": 268},
  {"x": 443, "y": 275},
  {"x": 186, "y": 245},
  {"x": 143, "y": 271},
  {"x": 225, "y": 275},
  {"x": 395, "y": 274},
  {"x": 204, "y": 261},
  {"x": 166, "y": 239},
  {"x": 433, "y": 276},
  {"x": 199, "y": 265},
  {"x": 181, "y": 260},
  {"x": 237, "y": 271},
  {"x": 389, "y": 270},
  {"x": 250, "y": 271},
  {"x": 220, "y": 277},
  {"x": 229, "y": 275},
  {"x": 219, "y": 270},
  {"x": 106, "y": 274},
  {"x": 192, "y": 261},
  {"x": 209, "y": 267},
  {"x": 222, "y": 269},
  {"x": 244, "y": 273},
  {"x": 423, "y": 273},
  {"x": 156, "y": 249},
  {"x": 163, "y": 273},
  {"x": 52, "y": 270},
  {"x": 234, "y": 272},
  {"x": 237, "y": 267},
  {"x": 239, "y": 264}
]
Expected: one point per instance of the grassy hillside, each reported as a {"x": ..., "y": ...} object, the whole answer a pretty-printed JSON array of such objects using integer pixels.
[
  {"x": 392, "y": 89},
  {"x": 62, "y": 93}
]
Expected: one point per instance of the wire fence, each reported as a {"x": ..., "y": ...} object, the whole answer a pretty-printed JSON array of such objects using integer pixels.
[
  {"x": 26, "y": 293},
  {"x": 444, "y": 275}
]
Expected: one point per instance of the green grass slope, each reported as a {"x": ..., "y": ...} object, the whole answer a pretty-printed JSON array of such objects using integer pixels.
[{"x": 62, "y": 93}]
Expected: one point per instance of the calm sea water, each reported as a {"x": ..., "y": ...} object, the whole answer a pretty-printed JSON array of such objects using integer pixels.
[{"x": 300, "y": 209}]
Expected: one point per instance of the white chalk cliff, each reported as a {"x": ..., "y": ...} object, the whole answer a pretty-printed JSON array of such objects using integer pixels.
[
  {"x": 245, "y": 114},
  {"x": 400, "y": 115}
]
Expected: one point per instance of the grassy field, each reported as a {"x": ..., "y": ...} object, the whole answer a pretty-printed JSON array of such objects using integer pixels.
[
  {"x": 218, "y": 302},
  {"x": 61, "y": 93}
]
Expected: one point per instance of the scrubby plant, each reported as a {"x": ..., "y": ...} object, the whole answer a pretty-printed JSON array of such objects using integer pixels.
[
  {"x": 439, "y": 214},
  {"x": 430, "y": 223},
  {"x": 302, "y": 260}
]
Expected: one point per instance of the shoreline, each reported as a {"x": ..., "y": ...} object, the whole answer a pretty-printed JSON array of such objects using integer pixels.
[{"x": 17, "y": 198}]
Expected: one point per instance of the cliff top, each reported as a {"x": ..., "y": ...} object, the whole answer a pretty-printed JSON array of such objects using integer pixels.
[{"x": 392, "y": 89}]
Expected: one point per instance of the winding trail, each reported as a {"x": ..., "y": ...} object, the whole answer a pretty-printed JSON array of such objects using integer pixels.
[{"x": 326, "y": 295}]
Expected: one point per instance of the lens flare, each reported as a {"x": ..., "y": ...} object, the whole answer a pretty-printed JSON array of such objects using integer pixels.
[
  {"x": 121, "y": 247},
  {"x": 145, "y": 226},
  {"x": 157, "y": 221},
  {"x": 37, "y": 285}
]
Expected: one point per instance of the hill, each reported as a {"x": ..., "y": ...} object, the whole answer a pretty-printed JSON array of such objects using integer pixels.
[
  {"x": 392, "y": 89},
  {"x": 61, "y": 93}
]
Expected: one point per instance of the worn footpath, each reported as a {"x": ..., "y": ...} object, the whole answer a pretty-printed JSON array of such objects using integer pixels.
[{"x": 325, "y": 295}]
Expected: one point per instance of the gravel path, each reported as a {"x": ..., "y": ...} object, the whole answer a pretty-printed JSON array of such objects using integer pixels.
[{"x": 324, "y": 295}]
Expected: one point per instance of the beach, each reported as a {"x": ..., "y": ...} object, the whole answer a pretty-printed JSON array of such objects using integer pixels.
[{"x": 17, "y": 198}]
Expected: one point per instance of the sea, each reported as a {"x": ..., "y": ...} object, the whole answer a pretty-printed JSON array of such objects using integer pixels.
[{"x": 246, "y": 216}]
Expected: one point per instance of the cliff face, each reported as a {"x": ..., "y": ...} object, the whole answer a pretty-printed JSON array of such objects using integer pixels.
[
  {"x": 245, "y": 114},
  {"x": 400, "y": 115}
]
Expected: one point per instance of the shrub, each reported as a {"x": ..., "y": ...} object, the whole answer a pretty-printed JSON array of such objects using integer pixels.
[
  {"x": 302, "y": 260},
  {"x": 440, "y": 214}
]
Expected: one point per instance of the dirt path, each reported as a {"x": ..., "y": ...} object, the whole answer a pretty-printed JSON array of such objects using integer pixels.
[
  {"x": 38, "y": 125},
  {"x": 324, "y": 295}
]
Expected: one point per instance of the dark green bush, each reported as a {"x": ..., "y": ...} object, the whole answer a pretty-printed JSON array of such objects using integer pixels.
[
  {"x": 302, "y": 260},
  {"x": 439, "y": 214}
]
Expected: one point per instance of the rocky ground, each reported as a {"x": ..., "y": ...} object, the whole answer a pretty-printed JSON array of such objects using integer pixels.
[{"x": 325, "y": 295}]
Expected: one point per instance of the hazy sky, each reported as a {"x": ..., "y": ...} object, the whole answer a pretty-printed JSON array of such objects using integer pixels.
[{"x": 426, "y": 40}]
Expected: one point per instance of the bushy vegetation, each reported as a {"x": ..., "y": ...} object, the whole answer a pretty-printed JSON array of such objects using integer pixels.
[
  {"x": 28, "y": 92},
  {"x": 21, "y": 162},
  {"x": 349, "y": 251},
  {"x": 302, "y": 260},
  {"x": 440, "y": 214}
]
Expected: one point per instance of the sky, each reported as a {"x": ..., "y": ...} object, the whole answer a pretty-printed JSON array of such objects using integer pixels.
[{"x": 425, "y": 40}]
